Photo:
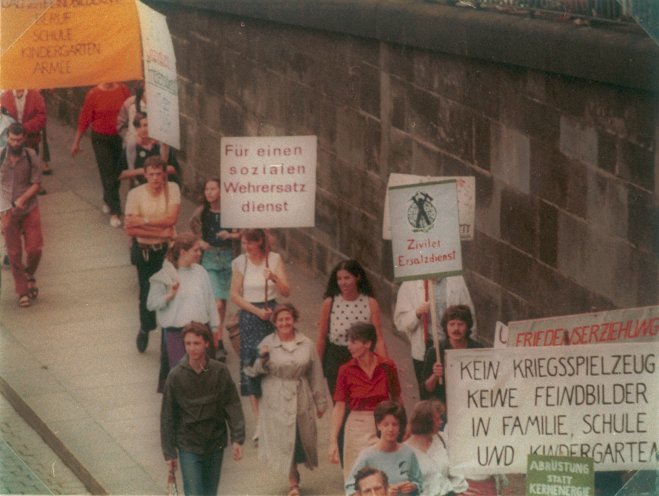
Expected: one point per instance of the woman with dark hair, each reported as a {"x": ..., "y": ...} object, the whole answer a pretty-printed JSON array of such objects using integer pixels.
[
  {"x": 293, "y": 395},
  {"x": 180, "y": 293},
  {"x": 396, "y": 460},
  {"x": 217, "y": 243},
  {"x": 363, "y": 382},
  {"x": 429, "y": 446},
  {"x": 141, "y": 147},
  {"x": 456, "y": 322},
  {"x": 258, "y": 277},
  {"x": 348, "y": 299}
]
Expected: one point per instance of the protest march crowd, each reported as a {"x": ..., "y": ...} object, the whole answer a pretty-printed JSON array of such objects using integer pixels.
[{"x": 185, "y": 282}]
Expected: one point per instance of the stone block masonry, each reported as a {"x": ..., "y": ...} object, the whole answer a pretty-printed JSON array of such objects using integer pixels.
[{"x": 557, "y": 123}]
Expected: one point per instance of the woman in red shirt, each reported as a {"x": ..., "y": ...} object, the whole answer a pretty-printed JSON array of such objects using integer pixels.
[
  {"x": 363, "y": 382},
  {"x": 100, "y": 110}
]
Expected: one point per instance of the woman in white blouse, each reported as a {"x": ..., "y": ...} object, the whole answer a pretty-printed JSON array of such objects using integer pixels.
[
  {"x": 180, "y": 293},
  {"x": 258, "y": 279}
]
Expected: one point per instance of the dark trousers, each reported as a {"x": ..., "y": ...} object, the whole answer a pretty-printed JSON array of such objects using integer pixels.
[
  {"x": 148, "y": 262},
  {"x": 107, "y": 150},
  {"x": 418, "y": 372}
]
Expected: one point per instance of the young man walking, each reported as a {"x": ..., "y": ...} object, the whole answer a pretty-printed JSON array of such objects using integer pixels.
[
  {"x": 199, "y": 402},
  {"x": 151, "y": 213}
]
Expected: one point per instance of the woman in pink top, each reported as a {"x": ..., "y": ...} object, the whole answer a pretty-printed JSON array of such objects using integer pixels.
[{"x": 100, "y": 110}]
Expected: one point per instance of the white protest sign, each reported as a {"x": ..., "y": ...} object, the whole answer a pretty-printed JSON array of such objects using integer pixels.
[
  {"x": 268, "y": 181},
  {"x": 612, "y": 326},
  {"x": 466, "y": 201},
  {"x": 425, "y": 231},
  {"x": 599, "y": 402},
  {"x": 159, "y": 77}
]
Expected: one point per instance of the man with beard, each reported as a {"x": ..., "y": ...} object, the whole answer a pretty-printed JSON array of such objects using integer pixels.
[{"x": 20, "y": 180}]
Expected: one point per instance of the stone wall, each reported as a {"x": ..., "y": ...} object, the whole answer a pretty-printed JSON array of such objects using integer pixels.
[{"x": 565, "y": 166}]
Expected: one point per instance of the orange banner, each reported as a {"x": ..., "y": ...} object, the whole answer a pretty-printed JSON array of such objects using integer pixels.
[{"x": 66, "y": 43}]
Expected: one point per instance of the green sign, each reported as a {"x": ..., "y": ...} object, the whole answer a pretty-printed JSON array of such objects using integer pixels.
[{"x": 559, "y": 476}]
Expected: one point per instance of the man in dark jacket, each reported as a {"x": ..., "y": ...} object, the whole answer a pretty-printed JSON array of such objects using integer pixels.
[{"x": 199, "y": 400}]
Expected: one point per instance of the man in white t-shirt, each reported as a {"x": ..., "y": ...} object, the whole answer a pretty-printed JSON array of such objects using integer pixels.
[{"x": 152, "y": 210}]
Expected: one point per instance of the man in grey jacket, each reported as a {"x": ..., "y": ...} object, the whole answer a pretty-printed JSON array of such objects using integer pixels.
[{"x": 199, "y": 402}]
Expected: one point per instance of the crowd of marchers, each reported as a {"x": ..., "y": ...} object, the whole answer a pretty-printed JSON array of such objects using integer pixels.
[{"x": 185, "y": 281}]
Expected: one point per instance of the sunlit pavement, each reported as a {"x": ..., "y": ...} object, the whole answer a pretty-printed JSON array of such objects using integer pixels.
[{"x": 72, "y": 358}]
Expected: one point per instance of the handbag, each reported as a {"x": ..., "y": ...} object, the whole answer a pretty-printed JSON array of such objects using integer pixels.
[
  {"x": 233, "y": 322},
  {"x": 233, "y": 328}
]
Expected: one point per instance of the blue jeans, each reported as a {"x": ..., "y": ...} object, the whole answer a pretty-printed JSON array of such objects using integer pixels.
[{"x": 201, "y": 473}]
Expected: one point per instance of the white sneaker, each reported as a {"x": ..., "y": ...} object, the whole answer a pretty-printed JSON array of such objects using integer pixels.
[
  {"x": 105, "y": 209},
  {"x": 115, "y": 221}
]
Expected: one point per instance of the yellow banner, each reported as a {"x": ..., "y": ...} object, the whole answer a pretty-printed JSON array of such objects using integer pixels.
[{"x": 66, "y": 43}]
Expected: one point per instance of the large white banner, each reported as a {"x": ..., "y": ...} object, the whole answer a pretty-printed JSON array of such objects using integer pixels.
[
  {"x": 268, "y": 181},
  {"x": 159, "y": 77},
  {"x": 612, "y": 326},
  {"x": 599, "y": 402},
  {"x": 466, "y": 201},
  {"x": 425, "y": 231}
]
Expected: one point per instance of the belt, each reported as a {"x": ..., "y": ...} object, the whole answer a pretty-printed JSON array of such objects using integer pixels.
[{"x": 154, "y": 247}]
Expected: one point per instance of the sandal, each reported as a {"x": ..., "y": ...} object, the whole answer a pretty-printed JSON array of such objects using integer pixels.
[
  {"x": 32, "y": 289},
  {"x": 24, "y": 301},
  {"x": 295, "y": 486}
]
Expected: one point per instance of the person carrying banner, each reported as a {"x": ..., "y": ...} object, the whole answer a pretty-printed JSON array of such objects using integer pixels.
[
  {"x": 412, "y": 307},
  {"x": 456, "y": 323},
  {"x": 99, "y": 110},
  {"x": 258, "y": 277}
]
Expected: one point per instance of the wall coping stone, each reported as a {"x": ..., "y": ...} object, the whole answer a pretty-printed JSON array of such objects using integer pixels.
[{"x": 609, "y": 55}]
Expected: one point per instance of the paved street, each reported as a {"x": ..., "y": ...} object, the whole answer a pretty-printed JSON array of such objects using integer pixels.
[
  {"x": 71, "y": 357},
  {"x": 28, "y": 465}
]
